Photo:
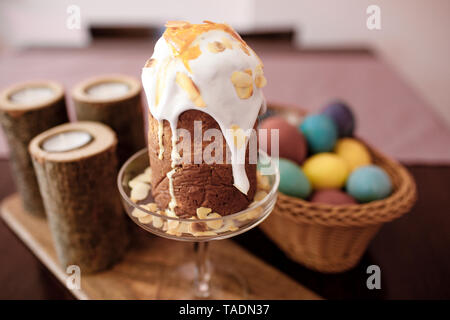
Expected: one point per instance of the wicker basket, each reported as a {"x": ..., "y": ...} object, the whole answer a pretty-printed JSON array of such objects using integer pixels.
[{"x": 330, "y": 238}]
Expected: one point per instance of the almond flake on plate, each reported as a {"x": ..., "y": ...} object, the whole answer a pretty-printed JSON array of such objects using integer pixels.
[{"x": 139, "y": 191}]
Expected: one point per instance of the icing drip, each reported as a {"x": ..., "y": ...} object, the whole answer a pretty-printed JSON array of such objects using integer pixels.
[
  {"x": 206, "y": 67},
  {"x": 173, "y": 201},
  {"x": 175, "y": 156},
  {"x": 160, "y": 138}
]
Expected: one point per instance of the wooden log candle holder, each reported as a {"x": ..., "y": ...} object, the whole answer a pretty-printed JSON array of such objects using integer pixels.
[
  {"x": 116, "y": 101},
  {"x": 76, "y": 167},
  {"x": 26, "y": 110}
]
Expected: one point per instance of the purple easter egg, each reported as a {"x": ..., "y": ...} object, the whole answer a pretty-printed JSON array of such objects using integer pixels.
[{"x": 342, "y": 116}]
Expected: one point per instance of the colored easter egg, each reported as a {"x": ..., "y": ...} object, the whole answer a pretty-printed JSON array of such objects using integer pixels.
[
  {"x": 343, "y": 116},
  {"x": 354, "y": 152},
  {"x": 293, "y": 181},
  {"x": 291, "y": 143},
  {"x": 320, "y": 132},
  {"x": 326, "y": 170},
  {"x": 369, "y": 183},
  {"x": 332, "y": 196}
]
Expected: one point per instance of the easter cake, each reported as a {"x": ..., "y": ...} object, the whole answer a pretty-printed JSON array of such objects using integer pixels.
[{"x": 202, "y": 73}]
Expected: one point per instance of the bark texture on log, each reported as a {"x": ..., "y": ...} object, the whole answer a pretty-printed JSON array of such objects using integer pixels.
[
  {"x": 123, "y": 114},
  {"x": 86, "y": 218},
  {"x": 21, "y": 124}
]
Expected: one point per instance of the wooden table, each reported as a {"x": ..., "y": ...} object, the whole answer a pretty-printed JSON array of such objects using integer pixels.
[{"x": 412, "y": 252}]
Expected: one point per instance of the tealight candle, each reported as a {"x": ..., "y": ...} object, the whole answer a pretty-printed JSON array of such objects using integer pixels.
[
  {"x": 26, "y": 110},
  {"x": 32, "y": 95},
  {"x": 66, "y": 141},
  {"x": 107, "y": 90},
  {"x": 116, "y": 101},
  {"x": 76, "y": 166}
]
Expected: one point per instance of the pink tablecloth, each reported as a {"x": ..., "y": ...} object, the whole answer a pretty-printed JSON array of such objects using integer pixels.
[{"x": 391, "y": 116}]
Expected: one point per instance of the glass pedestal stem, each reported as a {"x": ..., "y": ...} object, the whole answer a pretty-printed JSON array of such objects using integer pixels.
[{"x": 203, "y": 273}]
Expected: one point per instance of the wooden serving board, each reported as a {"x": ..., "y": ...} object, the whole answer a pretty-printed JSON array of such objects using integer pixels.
[{"x": 144, "y": 272}]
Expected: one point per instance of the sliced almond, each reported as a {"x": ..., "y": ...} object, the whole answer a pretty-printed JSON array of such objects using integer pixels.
[
  {"x": 133, "y": 183},
  {"x": 172, "y": 224},
  {"x": 139, "y": 191},
  {"x": 183, "y": 227},
  {"x": 216, "y": 47},
  {"x": 229, "y": 226},
  {"x": 260, "y": 194},
  {"x": 186, "y": 83},
  {"x": 262, "y": 182},
  {"x": 244, "y": 93},
  {"x": 216, "y": 224},
  {"x": 204, "y": 234},
  {"x": 260, "y": 81},
  {"x": 243, "y": 83},
  {"x": 174, "y": 232},
  {"x": 157, "y": 222},
  {"x": 139, "y": 213},
  {"x": 202, "y": 212},
  {"x": 147, "y": 219},
  {"x": 245, "y": 49},
  {"x": 241, "y": 79},
  {"x": 150, "y": 62},
  {"x": 227, "y": 43},
  {"x": 259, "y": 70},
  {"x": 146, "y": 176},
  {"x": 252, "y": 214},
  {"x": 170, "y": 213},
  {"x": 177, "y": 24},
  {"x": 153, "y": 207},
  {"x": 197, "y": 227},
  {"x": 140, "y": 178}
]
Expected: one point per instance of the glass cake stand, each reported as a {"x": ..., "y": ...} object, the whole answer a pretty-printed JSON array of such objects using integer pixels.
[{"x": 197, "y": 276}]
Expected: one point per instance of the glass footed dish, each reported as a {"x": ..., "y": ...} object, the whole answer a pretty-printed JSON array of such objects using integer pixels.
[{"x": 135, "y": 190}]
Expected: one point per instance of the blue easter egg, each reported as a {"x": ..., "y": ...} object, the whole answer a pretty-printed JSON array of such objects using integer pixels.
[
  {"x": 320, "y": 132},
  {"x": 369, "y": 183},
  {"x": 343, "y": 117},
  {"x": 293, "y": 181}
]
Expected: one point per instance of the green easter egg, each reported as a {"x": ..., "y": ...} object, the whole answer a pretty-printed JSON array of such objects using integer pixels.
[{"x": 293, "y": 181}]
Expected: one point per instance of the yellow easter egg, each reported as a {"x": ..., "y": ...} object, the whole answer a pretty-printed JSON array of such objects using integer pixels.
[
  {"x": 326, "y": 170},
  {"x": 353, "y": 152}
]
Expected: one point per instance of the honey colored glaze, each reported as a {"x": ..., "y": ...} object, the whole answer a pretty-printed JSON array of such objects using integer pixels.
[{"x": 207, "y": 67}]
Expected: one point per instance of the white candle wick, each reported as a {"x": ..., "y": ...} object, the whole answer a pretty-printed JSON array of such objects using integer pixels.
[
  {"x": 66, "y": 141},
  {"x": 108, "y": 90},
  {"x": 32, "y": 95}
]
